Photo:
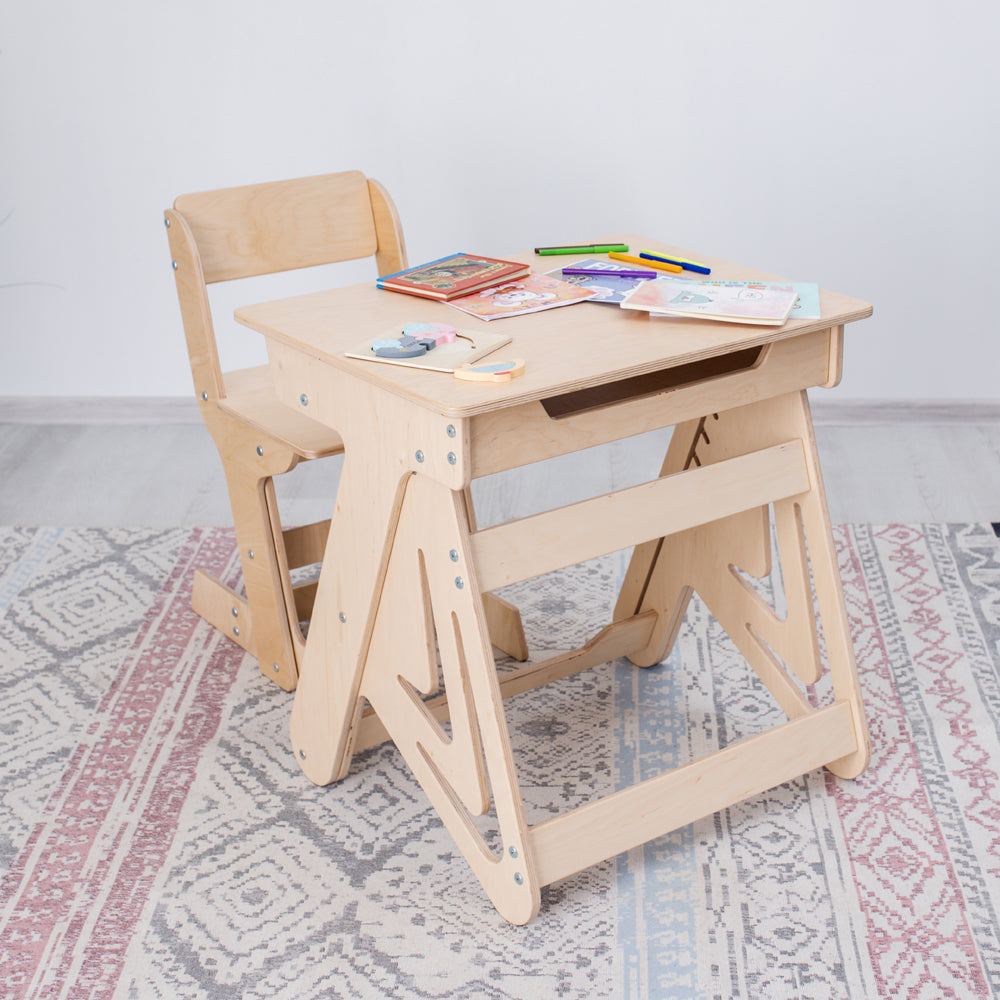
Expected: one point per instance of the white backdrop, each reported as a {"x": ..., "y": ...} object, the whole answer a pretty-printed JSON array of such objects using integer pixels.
[{"x": 851, "y": 143}]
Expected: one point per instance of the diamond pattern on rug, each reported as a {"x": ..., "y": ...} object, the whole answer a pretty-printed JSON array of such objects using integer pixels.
[{"x": 161, "y": 841}]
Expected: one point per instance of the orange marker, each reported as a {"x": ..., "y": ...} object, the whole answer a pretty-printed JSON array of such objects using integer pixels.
[{"x": 660, "y": 265}]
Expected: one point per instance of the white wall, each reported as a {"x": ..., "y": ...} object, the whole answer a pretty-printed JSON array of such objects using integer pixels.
[{"x": 850, "y": 143}]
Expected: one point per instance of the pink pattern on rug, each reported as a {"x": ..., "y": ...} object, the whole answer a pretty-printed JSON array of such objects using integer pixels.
[
  {"x": 919, "y": 940},
  {"x": 77, "y": 890}
]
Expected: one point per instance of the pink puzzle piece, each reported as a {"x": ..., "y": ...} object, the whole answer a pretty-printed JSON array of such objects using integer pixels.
[{"x": 441, "y": 333}]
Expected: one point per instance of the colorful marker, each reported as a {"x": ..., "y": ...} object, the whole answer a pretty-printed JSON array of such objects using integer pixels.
[
  {"x": 687, "y": 265},
  {"x": 594, "y": 248},
  {"x": 623, "y": 273},
  {"x": 659, "y": 265}
]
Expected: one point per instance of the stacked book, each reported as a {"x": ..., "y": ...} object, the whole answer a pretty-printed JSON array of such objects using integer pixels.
[{"x": 453, "y": 276}]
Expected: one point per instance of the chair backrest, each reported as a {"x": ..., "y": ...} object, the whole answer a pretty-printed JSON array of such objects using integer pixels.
[{"x": 260, "y": 229}]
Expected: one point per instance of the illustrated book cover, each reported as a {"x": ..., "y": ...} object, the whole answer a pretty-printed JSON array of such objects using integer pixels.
[
  {"x": 452, "y": 276},
  {"x": 515, "y": 298},
  {"x": 743, "y": 302},
  {"x": 604, "y": 283},
  {"x": 807, "y": 294}
]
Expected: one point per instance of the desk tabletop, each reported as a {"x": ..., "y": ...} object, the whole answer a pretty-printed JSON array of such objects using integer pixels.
[{"x": 564, "y": 349}]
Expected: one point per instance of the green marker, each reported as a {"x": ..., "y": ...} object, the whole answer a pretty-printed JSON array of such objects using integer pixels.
[{"x": 596, "y": 248}]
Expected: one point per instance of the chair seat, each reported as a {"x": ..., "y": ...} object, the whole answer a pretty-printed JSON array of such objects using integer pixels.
[{"x": 250, "y": 396}]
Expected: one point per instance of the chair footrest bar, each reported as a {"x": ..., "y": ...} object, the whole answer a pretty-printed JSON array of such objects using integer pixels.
[
  {"x": 591, "y": 833},
  {"x": 518, "y": 550},
  {"x": 222, "y": 608}
]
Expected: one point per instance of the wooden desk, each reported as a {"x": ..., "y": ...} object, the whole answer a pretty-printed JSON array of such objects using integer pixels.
[{"x": 405, "y": 568}]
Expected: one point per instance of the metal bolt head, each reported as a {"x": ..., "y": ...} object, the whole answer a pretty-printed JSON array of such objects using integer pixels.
[
  {"x": 512, "y": 851},
  {"x": 518, "y": 878},
  {"x": 304, "y": 399},
  {"x": 451, "y": 430},
  {"x": 204, "y": 396},
  {"x": 236, "y": 630},
  {"x": 459, "y": 582},
  {"x": 250, "y": 553},
  {"x": 452, "y": 458},
  {"x": 274, "y": 667},
  {"x": 342, "y": 616},
  {"x": 173, "y": 264},
  {"x": 418, "y": 455},
  {"x": 166, "y": 222},
  {"x": 453, "y": 555},
  {"x": 260, "y": 449},
  {"x": 236, "y": 612},
  {"x": 302, "y": 755}
]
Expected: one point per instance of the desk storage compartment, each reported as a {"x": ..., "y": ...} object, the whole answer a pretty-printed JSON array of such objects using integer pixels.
[{"x": 650, "y": 400}]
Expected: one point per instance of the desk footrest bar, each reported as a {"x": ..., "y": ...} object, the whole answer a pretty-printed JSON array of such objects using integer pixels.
[
  {"x": 613, "y": 641},
  {"x": 578, "y": 839},
  {"x": 519, "y": 550}
]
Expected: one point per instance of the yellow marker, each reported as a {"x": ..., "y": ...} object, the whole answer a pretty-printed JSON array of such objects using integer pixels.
[{"x": 660, "y": 265}]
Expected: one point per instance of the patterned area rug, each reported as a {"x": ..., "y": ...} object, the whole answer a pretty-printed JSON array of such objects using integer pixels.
[{"x": 158, "y": 839}]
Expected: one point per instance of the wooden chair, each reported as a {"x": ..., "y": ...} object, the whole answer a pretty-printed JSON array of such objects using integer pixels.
[{"x": 245, "y": 232}]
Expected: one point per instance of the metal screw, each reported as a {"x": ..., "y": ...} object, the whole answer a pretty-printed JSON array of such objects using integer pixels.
[
  {"x": 250, "y": 553},
  {"x": 453, "y": 555},
  {"x": 260, "y": 450},
  {"x": 304, "y": 399},
  {"x": 302, "y": 755},
  {"x": 342, "y": 616},
  {"x": 451, "y": 430},
  {"x": 419, "y": 455},
  {"x": 236, "y": 630},
  {"x": 459, "y": 582},
  {"x": 452, "y": 458},
  {"x": 166, "y": 222},
  {"x": 236, "y": 612},
  {"x": 512, "y": 851},
  {"x": 274, "y": 667},
  {"x": 204, "y": 396},
  {"x": 173, "y": 264},
  {"x": 518, "y": 878}
]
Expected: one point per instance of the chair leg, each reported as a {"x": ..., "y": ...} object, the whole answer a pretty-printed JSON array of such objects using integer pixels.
[{"x": 269, "y": 630}]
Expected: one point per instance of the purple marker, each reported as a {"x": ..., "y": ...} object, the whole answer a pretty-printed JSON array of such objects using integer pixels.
[{"x": 609, "y": 271}]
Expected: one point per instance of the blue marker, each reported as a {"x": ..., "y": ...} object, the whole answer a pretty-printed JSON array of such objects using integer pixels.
[{"x": 688, "y": 265}]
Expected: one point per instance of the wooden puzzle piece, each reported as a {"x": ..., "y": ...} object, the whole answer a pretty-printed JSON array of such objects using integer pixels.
[
  {"x": 439, "y": 333},
  {"x": 416, "y": 340},
  {"x": 498, "y": 371}
]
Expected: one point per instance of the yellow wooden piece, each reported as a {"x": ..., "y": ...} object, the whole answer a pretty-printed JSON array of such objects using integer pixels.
[{"x": 495, "y": 371}]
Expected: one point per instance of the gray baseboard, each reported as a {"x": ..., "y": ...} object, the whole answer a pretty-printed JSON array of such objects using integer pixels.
[
  {"x": 99, "y": 410},
  {"x": 184, "y": 410}
]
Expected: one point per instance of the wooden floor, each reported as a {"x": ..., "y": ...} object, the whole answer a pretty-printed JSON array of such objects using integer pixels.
[{"x": 881, "y": 463}]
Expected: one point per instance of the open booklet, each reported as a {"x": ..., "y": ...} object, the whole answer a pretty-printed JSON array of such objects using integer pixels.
[
  {"x": 525, "y": 295},
  {"x": 743, "y": 302}
]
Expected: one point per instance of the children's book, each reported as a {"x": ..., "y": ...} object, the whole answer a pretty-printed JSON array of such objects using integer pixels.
[
  {"x": 744, "y": 302},
  {"x": 807, "y": 292},
  {"x": 606, "y": 286},
  {"x": 527, "y": 295},
  {"x": 452, "y": 276}
]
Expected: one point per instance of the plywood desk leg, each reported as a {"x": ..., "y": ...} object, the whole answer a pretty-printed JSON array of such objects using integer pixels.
[
  {"x": 429, "y": 593},
  {"x": 705, "y": 559},
  {"x": 503, "y": 618},
  {"x": 631, "y": 597}
]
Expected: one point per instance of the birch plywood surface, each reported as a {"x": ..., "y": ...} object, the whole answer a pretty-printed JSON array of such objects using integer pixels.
[{"x": 568, "y": 348}]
